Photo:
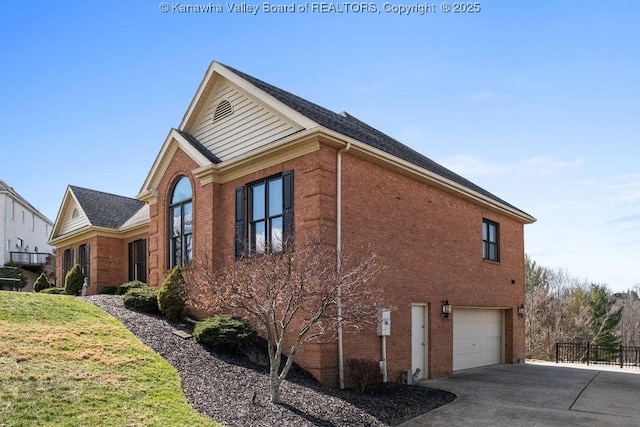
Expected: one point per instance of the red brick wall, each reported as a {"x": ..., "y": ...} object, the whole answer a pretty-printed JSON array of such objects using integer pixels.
[
  {"x": 108, "y": 260},
  {"x": 430, "y": 246},
  {"x": 203, "y": 207},
  {"x": 428, "y": 242}
]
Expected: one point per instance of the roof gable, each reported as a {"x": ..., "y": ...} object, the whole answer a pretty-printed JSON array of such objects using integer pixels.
[
  {"x": 248, "y": 125},
  {"x": 175, "y": 140},
  {"x": 70, "y": 217},
  {"x": 215, "y": 76},
  {"x": 287, "y": 115},
  {"x": 82, "y": 208}
]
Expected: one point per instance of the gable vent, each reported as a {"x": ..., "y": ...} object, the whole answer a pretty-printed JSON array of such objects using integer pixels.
[{"x": 223, "y": 110}]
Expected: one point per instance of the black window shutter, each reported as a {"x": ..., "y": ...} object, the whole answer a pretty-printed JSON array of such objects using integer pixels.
[
  {"x": 287, "y": 207},
  {"x": 143, "y": 278},
  {"x": 131, "y": 267},
  {"x": 88, "y": 262},
  {"x": 239, "y": 222}
]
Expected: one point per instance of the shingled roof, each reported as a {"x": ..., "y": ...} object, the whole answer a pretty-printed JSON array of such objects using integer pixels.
[
  {"x": 105, "y": 209},
  {"x": 350, "y": 126}
]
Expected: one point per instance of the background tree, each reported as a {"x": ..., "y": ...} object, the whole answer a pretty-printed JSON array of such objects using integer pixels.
[
  {"x": 50, "y": 267},
  {"x": 550, "y": 314},
  {"x": 629, "y": 326},
  {"x": 604, "y": 317},
  {"x": 562, "y": 308},
  {"x": 11, "y": 277},
  {"x": 292, "y": 298}
]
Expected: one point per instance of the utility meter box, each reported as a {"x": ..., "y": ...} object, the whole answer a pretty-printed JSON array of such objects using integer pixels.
[{"x": 384, "y": 323}]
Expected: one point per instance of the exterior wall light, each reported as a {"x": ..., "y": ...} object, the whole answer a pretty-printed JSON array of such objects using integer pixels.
[
  {"x": 446, "y": 309},
  {"x": 521, "y": 310}
]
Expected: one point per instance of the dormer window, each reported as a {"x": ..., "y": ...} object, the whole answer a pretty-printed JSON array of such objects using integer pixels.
[{"x": 224, "y": 109}]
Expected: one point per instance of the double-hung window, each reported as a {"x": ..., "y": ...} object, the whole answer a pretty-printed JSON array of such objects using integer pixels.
[
  {"x": 490, "y": 240},
  {"x": 267, "y": 221},
  {"x": 181, "y": 224}
]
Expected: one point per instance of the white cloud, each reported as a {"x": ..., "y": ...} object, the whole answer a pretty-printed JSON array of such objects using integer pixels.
[
  {"x": 470, "y": 166},
  {"x": 481, "y": 96},
  {"x": 624, "y": 190},
  {"x": 588, "y": 224}
]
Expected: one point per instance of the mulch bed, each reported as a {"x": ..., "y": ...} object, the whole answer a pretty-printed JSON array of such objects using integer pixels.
[{"x": 231, "y": 390}]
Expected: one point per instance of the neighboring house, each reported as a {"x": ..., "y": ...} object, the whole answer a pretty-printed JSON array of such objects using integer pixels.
[
  {"x": 249, "y": 162},
  {"x": 24, "y": 233},
  {"x": 101, "y": 232}
]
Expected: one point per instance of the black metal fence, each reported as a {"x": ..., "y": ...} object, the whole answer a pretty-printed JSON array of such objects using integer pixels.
[{"x": 591, "y": 354}]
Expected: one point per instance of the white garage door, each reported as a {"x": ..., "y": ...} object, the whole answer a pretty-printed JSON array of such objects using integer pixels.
[{"x": 477, "y": 337}]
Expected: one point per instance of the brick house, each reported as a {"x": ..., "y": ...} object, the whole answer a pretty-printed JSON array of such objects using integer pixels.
[{"x": 250, "y": 161}]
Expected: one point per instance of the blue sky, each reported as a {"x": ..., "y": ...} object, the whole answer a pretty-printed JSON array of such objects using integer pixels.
[{"x": 538, "y": 102}]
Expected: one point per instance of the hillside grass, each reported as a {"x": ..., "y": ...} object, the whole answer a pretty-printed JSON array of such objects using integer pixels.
[{"x": 64, "y": 362}]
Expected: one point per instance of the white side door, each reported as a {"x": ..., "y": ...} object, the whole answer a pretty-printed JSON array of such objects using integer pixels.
[{"x": 419, "y": 343}]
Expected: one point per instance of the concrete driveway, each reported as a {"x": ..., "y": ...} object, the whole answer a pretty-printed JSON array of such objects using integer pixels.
[{"x": 537, "y": 394}]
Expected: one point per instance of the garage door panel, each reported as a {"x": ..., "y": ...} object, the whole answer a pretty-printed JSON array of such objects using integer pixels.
[{"x": 477, "y": 338}]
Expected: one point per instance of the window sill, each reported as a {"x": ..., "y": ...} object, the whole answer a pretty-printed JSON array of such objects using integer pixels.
[{"x": 488, "y": 261}]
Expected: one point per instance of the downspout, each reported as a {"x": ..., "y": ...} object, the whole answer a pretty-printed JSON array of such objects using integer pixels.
[{"x": 339, "y": 258}]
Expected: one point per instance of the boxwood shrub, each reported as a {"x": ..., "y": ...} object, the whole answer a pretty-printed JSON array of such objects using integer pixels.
[
  {"x": 41, "y": 283},
  {"x": 135, "y": 284},
  {"x": 144, "y": 300},
  {"x": 55, "y": 291},
  {"x": 224, "y": 332},
  {"x": 109, "y": 290}
]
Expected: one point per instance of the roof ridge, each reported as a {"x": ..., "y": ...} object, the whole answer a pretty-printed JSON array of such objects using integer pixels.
[
  {"x": 106, "y": 209},
  {"x": 102, "y": 192},
  {"x": 350, "y": 126},
  {"x": 6, "y": 187}
]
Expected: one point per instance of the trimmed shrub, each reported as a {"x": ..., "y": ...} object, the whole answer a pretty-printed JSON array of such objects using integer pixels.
[
  {"x": 135, "y": 284},
  {"x": 41, "y": 283},
  {"x": 364, "y": 374},
  {"x": 54, "y": 291},
  {"x": 143, "y": 300},
  {"x": 223, "y": 332},
  {"x": 170, "y": 295},
  {"x": 108, "y": 290},
  {"x": 73, "y": 281}
]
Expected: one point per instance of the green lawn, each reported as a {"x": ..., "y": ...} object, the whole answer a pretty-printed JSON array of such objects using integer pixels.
[{"x": 64, "y": 362}]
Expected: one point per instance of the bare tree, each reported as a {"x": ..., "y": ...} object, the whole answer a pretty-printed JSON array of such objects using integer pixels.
[
  {"x": 629, "y": 327},
  {"x": 291, "y": 298},
  {"x": 556, "y": 309},
  {"x": 560, "y": 307}
]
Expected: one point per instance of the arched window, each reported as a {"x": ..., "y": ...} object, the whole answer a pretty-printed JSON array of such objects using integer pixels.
[{"x": 180, "y": 224}]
